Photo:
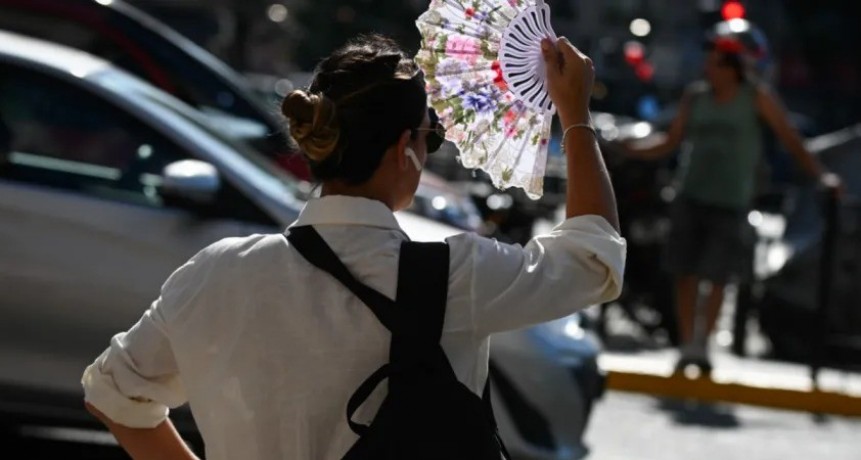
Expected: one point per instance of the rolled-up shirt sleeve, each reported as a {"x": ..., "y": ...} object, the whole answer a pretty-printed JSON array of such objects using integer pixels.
[
  {"x": 579, "y": 264},
  {"x": 135, "y": 381}
]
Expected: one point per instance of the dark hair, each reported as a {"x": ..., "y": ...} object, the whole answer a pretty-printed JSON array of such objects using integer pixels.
[
  {"x": 729, "y": 59},
  {"x": 360, "y": 101}
]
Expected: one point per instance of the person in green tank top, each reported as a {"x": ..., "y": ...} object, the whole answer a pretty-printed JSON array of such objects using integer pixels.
[{"x": 718, "y": 125}]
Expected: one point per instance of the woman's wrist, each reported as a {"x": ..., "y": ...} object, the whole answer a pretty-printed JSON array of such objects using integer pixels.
[{"x": 574, "y": 117}]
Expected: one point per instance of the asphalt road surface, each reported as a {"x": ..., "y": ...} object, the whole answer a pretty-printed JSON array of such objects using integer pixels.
[
  {"x": 624, "y": 427},
  {"x": 638, "y": 427}
]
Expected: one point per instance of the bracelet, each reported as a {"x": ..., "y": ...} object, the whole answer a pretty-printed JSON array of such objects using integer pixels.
[{"x": 579, "y": 125}]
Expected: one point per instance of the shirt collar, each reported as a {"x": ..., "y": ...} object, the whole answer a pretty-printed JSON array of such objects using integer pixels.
[{"x": 347, "y": 210}]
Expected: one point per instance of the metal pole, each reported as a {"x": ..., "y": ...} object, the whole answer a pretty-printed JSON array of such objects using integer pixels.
[{"x": 826, "y": 271}]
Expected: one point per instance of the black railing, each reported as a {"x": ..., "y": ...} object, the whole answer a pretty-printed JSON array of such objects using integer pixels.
[{"x": 836, "y": 211}]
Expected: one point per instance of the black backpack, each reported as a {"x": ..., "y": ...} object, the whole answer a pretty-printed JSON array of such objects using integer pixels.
[{"x": 427, "y": 413}]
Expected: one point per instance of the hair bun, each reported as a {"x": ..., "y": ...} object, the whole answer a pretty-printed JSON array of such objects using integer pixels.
[{"x": 313, "y": 123}]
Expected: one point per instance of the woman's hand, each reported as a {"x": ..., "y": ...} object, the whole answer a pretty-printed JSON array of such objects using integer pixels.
[{"x": 570, "y": 76}]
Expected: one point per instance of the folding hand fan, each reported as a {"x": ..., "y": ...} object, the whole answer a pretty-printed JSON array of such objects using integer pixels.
[{"x": 486, "y": 80}]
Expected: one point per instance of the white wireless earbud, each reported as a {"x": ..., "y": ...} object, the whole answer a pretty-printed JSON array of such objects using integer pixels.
[{"x": 412, "y": 156}]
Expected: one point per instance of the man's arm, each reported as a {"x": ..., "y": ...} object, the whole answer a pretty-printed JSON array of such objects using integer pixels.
[
  {"x": 662, "y": 146},
  {"x": 772, "y": 111},
  {"x": 769, "y": 107}
]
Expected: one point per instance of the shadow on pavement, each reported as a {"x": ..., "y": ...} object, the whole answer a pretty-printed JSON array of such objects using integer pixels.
[{"x": 699, "y": 413}]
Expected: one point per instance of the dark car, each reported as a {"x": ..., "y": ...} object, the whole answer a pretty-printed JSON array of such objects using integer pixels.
[{"x": 140, "y": 44}]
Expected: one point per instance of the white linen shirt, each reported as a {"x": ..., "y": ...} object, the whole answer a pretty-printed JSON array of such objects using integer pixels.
[{"x": 267, "y": 349}]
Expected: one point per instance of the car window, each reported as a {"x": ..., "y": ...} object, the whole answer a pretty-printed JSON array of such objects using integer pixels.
[
  {"x": 60, "y": 135},
  {"x": 266, "y": 171}
]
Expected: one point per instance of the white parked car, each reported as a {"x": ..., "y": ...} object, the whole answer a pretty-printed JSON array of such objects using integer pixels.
[{"x": 108, "y": 184}]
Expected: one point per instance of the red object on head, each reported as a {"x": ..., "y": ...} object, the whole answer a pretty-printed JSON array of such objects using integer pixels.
[
  {"x": 729, "y": 46},
  {"x": 732, "y": 10}
]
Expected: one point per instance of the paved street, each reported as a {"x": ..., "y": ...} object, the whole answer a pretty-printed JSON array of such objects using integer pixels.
[
  {"x": 624, "y": 427},
  {"x": 637, "y": 427}
]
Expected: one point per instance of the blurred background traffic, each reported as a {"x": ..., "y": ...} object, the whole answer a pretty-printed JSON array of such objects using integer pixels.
[{"x": 134, "y": 133}]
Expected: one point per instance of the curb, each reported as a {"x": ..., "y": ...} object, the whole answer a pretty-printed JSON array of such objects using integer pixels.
[{"x": 704, "y": 389}]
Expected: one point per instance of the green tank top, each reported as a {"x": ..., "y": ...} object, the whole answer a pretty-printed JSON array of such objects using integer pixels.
[{"x": 719, "y": 166}]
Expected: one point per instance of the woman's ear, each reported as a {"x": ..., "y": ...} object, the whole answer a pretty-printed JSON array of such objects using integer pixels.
[{"x": 401, "y": 150}]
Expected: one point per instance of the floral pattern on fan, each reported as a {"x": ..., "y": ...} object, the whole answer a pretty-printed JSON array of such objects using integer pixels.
[{"x": 492, "y": 128}]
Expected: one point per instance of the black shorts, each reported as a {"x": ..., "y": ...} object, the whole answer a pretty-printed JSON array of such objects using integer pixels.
[{"x": 710, "y": 242}]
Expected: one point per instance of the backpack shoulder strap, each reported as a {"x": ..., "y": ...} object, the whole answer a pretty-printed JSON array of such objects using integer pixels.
[
  {"x": 423, "y": 290},
  {"x": 314, "y": 249},
  {"x": 423, "y": 273}
]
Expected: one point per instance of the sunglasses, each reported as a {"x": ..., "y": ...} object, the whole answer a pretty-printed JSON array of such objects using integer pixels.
[{"x": 436, "y": 133}]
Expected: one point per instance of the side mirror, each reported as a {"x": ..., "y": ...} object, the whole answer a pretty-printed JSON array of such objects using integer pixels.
[{"x": 190, "y": 182}]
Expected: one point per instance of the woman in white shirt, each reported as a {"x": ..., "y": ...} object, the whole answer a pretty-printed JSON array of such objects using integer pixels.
[{"x": 266, "y": 349}]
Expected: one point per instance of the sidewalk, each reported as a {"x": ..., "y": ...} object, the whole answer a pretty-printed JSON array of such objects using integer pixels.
[
  {"x": 642, "y": 367},
  {"x": 733, "y": 369}
]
